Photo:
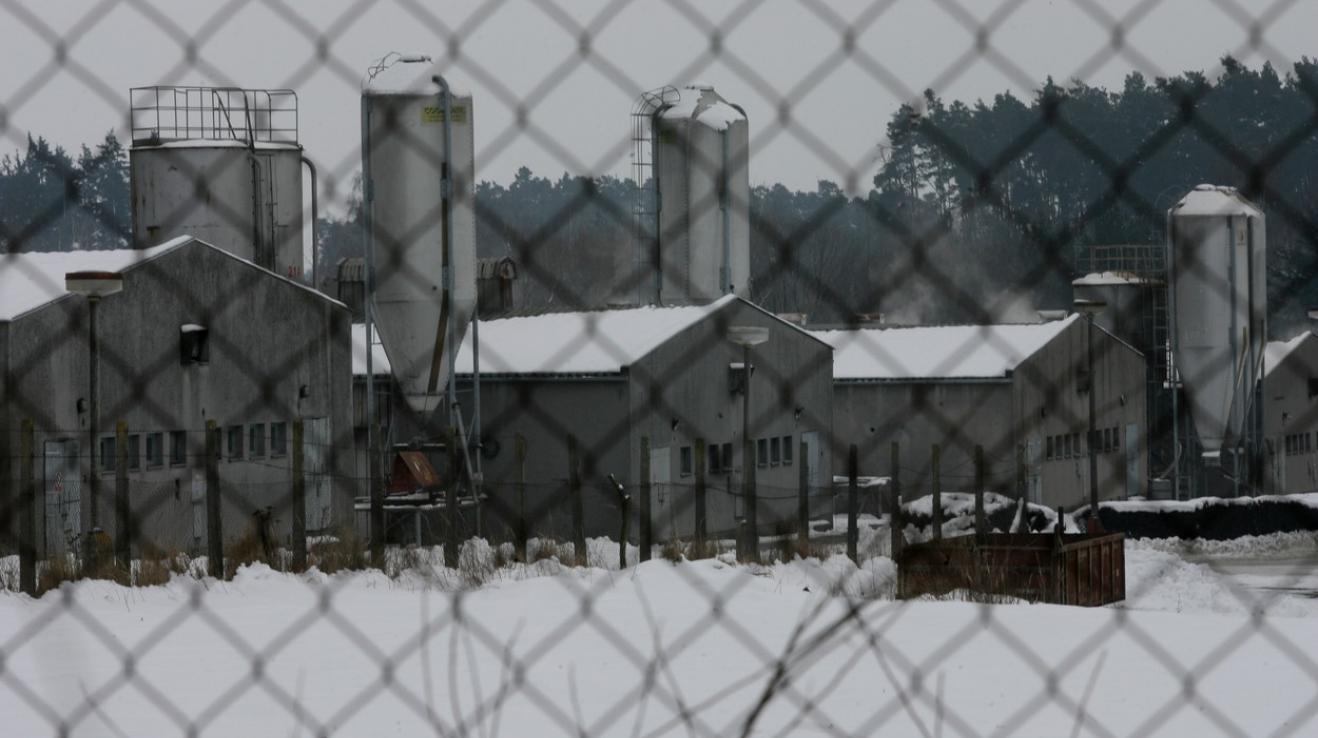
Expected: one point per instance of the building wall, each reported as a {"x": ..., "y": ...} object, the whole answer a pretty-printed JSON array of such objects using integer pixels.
[
  {"x": 916, "y": 415},
  {"x": 1291, "y": 422},
  {"x": 1049, "y": 403},
  {"x": 683, "y": 392},
  {"x": 268, "y": 339}
]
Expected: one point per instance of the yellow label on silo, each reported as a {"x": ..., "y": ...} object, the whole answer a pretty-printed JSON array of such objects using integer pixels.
[{"x": 435, "y": 114}]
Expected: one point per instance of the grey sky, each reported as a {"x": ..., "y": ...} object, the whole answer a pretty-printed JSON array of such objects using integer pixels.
[{"x": 523, "y": 53}]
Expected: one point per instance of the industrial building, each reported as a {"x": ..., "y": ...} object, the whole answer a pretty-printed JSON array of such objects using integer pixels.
[
  {"x": 1291, "y": 400},
  {"x": 620, "y": 381},
  {"x": 195, "y": 334},
  {"x": 1019, "y": 391}
]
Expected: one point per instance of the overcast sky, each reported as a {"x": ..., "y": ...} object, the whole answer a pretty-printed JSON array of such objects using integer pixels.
[{"x": 66, "y": 66}]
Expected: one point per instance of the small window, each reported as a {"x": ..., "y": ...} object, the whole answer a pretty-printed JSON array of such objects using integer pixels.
[
  {"x": 155, "y": 450},
  {"x": 278, "y": 439},
  {"x": 787, "y": 450},
  {"x": 134, "y": 452},
  {"x": 107, "y": 454},
  {"x": 1075, "y": 444},
  {"x": 775, "y": 451},
  {"x": 1313, "y": 387},
  {"x": 256, "y": 440},
  {"x": 762, "y": 452},
  {"x": 1066, "y": 446},
  {"x": 727, "y": 458},
  {"x": 178, "y": 448},
  {"x": 715, "y": 465},
  {"x": 685, "y": 461},
  {"x": 1116, "y": 440},
  {"x": 1048, "y": 446},
  {"x": 235, "y": 442},
  {"x": 193, "y": 345}
]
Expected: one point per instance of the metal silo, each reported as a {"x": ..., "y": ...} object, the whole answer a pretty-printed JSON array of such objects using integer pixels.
[
  {"x": 419, "y": 172},
  {"x": 702, "y": 180},
  {"x": 1218, "y": 300},
  {"x": 222, "y": 165}
]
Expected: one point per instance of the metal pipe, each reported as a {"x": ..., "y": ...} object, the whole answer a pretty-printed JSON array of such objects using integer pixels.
[
  {"x": 725, "y": 271},
  {"x": 94, "y": 421},
  {"x": 446, "y": 192},
  {"x": 315, "y": 224},
  {"x": 1095, "y": 524},
  {"x": 368, "y": 278}
]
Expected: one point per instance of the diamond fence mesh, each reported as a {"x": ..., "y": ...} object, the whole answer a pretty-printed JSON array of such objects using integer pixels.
[{"x": 660, "y": 446}]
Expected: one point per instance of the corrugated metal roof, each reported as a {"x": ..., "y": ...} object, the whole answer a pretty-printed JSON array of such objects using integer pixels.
[{"x": 937, "y": 352}]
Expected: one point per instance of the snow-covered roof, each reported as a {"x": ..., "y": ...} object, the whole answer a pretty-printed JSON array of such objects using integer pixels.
[
  {"x": 937, "y": 352},
  {"x": 1107, "y": 278},
  {"x": 1275, "y": 352},
  {"x": 706, "y": 106},
  {"x": 33, "y": 279},
  {"x": 379, "y": 360},
  {"x": 596, "y": 342},
  {"x": 410, "y": 78}
]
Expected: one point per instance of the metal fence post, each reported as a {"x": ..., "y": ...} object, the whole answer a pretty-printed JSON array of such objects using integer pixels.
[
  {"x": 299, "y": 501},
  {"x": 574, "y": 501},
  {"x": 937, "y": 522},
  {"x": 853, "y": 502},
  {"x": 451, "y": 500},
  {"x": 27, "y": 528},
  {"x": 803, "y": 497},
  {"x": 645, "y": 534},
  {"x": 375, "y": 489},
  {"x": 521, "y": 530},
  {"x": 701, "y": 502},
  {"x": 123, "y": 550},
  {"x": 214, "y": 525}
]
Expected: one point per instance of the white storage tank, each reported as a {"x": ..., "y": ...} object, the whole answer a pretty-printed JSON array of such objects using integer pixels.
[
  {"x": 701, "y": 167},
  {"x": 222, "y": 165},
  {"x": 415, "y": 232},
  {"x": 1216, "y": 267}
]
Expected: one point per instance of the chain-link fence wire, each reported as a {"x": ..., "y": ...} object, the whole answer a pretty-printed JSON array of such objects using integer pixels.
[{"x": 567, "y": 449}]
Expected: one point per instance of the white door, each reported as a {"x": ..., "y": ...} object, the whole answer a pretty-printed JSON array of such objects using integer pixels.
[
  {"x": 661, "y": 498},
  {"x": 811, "y": 460},
  {"x": 1132, "y": 440},
  {"x": 63, "y": 496},
  {"x": 1034, "y": 469},
  {"x": 315, "y": 470}
]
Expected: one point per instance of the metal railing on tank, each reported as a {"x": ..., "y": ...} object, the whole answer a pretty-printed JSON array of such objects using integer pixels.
[{"x": 164, "y": 114}]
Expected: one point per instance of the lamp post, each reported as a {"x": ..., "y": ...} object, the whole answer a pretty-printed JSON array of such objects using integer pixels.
[
  {"x": 747, "y": 336},
  {"x": 1090, "y": 309},
  {"x": 93, "y": 286}
]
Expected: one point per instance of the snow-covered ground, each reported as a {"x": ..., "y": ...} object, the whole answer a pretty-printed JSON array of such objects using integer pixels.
[{"x": 808, "y": 647}]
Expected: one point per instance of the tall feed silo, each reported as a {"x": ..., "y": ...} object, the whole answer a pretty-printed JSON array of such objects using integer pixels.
[
  {"x": 423, "y": 244},
  {"x": 1216, "y": 269},
  {"x": 701, "y": 176},
  {"x": 220, "y": 164}
]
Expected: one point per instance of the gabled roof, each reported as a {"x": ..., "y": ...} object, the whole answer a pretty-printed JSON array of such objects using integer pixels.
[
  {"x": 34, "y": 279},
  {"x": 937, "y": 352},
  {"x": 588, "y": 342},
  {"x": 1275, "y": 352}
]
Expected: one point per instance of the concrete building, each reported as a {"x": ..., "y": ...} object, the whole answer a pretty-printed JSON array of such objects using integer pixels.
[
  {"x": 637, "y": 388},
  {"x": 195, "y": 335},
  {"x": 1019, "y": 391},
  {"x": 1291, "y": 414}
]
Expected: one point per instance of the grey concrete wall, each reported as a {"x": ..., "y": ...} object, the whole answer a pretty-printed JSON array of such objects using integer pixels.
[
  {"x": 1291, "y": 411},
  {"x": 1048, "y": 403},
  {"x": 268, "y": 340}
]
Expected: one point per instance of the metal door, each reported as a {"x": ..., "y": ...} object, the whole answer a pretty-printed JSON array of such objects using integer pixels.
[
  {"x": 315, "y": 470},
  {"x": 63, "y": 496},
  {"x": 1132, "y": 440},
  {"x": 1034, "y": 469},
  {"x": 197, "y": 496},
  {"x": 811, "y": 460},
  {"x": 661, "y": 477}
]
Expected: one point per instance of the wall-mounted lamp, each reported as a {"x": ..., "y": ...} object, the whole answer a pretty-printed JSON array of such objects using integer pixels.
[
  {"x": 81, "y": 405},
  {"x": 796, "y": 414},
  {"x": 303, "y": 392}
]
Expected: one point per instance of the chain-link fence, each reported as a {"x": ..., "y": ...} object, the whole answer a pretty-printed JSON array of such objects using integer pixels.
[{"x": 813, "y": 402}]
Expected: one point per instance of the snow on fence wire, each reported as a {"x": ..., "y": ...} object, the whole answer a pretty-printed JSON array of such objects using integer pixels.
[{"x": 657, "y": 573}]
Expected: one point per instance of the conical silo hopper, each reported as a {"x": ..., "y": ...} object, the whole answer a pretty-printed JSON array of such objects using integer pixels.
[
  {"x": 1216, "y": 262},
  {"x": 423, "y": 245}
]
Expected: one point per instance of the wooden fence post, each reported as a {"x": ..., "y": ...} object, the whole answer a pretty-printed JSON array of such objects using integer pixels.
[
  {"x": 895, "y": 473},
  {"x": 624, "y": 509},
  {"x": 803, "y": 498},
  {"x": 701, "y": 501},
  {"x": 937, "y": 522},
  {"x": 451, "y": 553},
  {"x": 645, "y": 536},
  {"x": 375, "y": 489},
  {"x": 123, "y": 550},
  {"x": 981, "y": 520},
  {"x": 853, "y": 502},
  {"x": 521, "y": 531},
  {"x": 898, "y": 540},
  {"x": 27, "y": 528},
  {"x": 214, "y": 523},
  {"x": 574, "y": 501},
  {"x": 299, "y": 501}
]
